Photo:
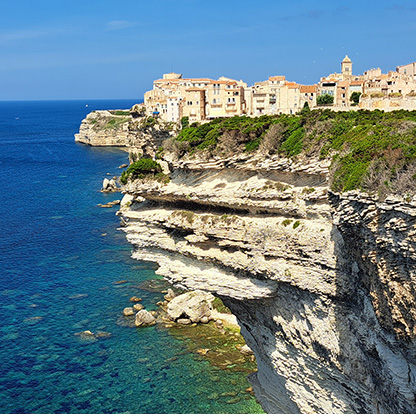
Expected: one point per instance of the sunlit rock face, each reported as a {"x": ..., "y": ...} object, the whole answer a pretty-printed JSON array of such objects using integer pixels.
[
  {"x": 323, "y": 285},
  {"x": 106, "y": 129}
]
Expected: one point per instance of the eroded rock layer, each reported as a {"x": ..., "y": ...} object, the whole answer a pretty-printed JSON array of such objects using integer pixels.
[
  {"x": 323, "y": 285},
  {"x": 120, "y": 129}
]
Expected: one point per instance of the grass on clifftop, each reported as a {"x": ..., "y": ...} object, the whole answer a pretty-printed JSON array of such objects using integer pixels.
[{"x": 370, "y": 150}]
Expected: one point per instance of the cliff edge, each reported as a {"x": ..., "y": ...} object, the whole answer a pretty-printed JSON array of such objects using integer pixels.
[{"x": 321, "y": 276}]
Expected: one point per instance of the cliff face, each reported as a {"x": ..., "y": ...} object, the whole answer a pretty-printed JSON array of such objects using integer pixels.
[
  {"x": 323, "y": 285},
  {"x": 120, "y": 129}
]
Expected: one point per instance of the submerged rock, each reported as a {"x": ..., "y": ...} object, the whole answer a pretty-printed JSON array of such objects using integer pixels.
[
  {"x": 138, "y": 307},
  {"x": 144, "y": 318},
  {"x": 128, "y": 311}
]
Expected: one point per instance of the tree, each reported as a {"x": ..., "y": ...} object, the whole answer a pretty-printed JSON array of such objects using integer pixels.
[
  {"x": 355, "y": 98},
  {"x": 325, "y": 99},
  {"x": 185, "y": 122},
  {"x": 305, "y": 109}
]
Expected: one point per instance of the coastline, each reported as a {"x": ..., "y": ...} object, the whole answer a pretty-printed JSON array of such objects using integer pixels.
[
  {"x": 286, "y": 255},
  {"x": 56, "y": 284}
]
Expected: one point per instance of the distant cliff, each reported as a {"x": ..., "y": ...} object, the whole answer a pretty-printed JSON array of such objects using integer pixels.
[
  {"x": 323, "y": 282},
  {"x": 137, "y": 134}
]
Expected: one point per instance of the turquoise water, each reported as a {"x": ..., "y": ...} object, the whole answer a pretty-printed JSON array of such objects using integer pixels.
[{"x": 61, "y": 257}]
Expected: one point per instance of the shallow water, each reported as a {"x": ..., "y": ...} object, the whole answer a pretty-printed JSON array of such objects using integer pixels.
[{"x": 61, "y": 257}]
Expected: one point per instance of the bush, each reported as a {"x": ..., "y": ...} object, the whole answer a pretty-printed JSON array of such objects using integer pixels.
[
  {"x": 371, "y": 150},
  {"x": 185, "y": 122},
  {"x": 141, "y": 168},
  {"x": 355, "y": 98},
  {"x": 325, "y": 99},
  {"x": 148, "y": 122}
]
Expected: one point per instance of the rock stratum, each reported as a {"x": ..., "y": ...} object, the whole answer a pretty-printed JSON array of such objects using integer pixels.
[
  {"x": 121, "y": 128},
  {"x": 322, "y": 284}
]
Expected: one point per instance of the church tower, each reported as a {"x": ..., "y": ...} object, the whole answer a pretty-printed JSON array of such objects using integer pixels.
[{"x": 346, "y": 66}]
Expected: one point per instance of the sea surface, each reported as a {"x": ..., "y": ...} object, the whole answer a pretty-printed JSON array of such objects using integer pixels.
[{"x": 61, "y": 257}]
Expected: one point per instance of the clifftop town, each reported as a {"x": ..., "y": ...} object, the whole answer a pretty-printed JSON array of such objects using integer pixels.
[{"x": 174, "y": 97}]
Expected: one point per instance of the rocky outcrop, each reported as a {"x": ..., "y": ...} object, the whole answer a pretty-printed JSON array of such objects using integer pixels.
[
  {"x": 195, "y": 306},
  {"x": 322, "y": 284},
  {"x": 144, "y": 318},
  {"x": 138, "y": 135}
]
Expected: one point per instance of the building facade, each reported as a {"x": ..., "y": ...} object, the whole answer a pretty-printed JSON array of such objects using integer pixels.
[{"x": 202, "y": 99}]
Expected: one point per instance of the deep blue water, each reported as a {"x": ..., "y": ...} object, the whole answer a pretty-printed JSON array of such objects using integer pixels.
[{"x": 60, "y": 258}]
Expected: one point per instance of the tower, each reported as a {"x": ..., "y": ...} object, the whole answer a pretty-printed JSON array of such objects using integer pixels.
[{"x": 346, "y": 66}]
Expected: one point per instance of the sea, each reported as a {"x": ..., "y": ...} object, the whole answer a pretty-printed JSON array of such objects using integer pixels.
[{"x": 65, "y": 268}]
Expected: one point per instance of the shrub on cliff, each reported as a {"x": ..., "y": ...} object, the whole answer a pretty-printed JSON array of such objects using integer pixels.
[
  {"x": 325, "y": 99},
  {"x": 140, "y": 169},
  {"x": 371, "y": 150}
]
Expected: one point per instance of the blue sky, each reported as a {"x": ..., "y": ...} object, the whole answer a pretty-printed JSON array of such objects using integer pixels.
[{"x": 101, "y": 49}]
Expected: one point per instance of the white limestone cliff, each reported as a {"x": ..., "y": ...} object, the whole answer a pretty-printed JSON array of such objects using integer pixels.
[{"x": 322, "y": 284}]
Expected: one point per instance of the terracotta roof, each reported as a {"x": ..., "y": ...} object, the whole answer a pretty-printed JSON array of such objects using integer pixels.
[
  {"x": 358, "y": 82},
  {"x": 308, "y": 88},
  {"x": 277, "y": 78},
  {"x": 198, "y": 80},
  {"x": 292, "y": 85},
  {"x": 195, "y": 90}
]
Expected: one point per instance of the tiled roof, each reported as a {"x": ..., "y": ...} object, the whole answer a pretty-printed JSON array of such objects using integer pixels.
[
  {"x": 308, "y": 88},
  {"x": 277, "y": 78}
]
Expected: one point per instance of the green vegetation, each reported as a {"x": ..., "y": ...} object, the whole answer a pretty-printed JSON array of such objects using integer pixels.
[
  {"x": 355, "y": 98},
  {"x": 185, "y": 122},
  {"x": 228, "y": 135},
  {"x": 325, "y": 99},
  {"x": 148, "y": 122},
  {"x": 142, "y": 168},
  {"x": 122, "y": 113},
  {"x": 275, "y": 185},
  {"x": 371, "y": 150},
  {"x": 296, "y": 224},
  {"x": 114, "y": 123},
  {"x": 286, "y": 222},
  {"x": 305, "y": 108},
  {"x": 308, "y": 190},
  {"x": 189, "y": 216},
  {"x": 218, "y": 305}
]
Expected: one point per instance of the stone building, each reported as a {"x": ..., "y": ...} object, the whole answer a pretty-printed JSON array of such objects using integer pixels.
[
  {"x": 174, "y": 97},
  {"x": 409, "y": 70}
]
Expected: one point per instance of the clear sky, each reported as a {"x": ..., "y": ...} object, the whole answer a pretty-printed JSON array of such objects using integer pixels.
[{"x": 101, "y": 49}]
